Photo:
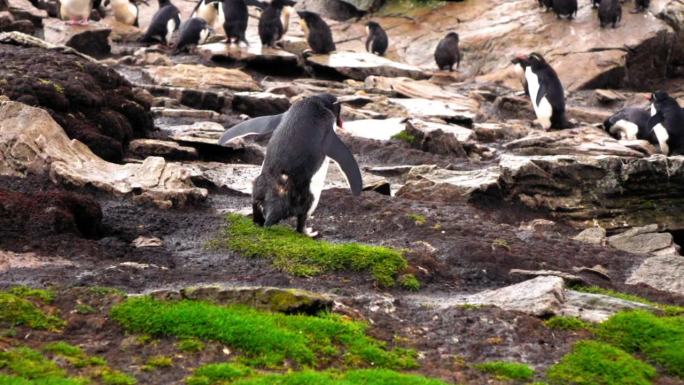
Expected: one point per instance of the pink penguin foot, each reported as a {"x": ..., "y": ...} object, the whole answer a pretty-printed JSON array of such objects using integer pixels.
[{"x": 83, "y": 22}]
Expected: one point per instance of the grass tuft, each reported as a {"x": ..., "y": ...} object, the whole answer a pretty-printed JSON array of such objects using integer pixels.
[
  {"x": 115, "y": 377},
  {"x": 670, "y": 310},
  {"x": 565, "y": 323},
  {"x": 265, "y": 339},
  {"x": 404, "y": 137},
  {"x": 418, "y": 219},
  {"x": 300, "y": 255},
  {"x": 592, "y": 363},
  {"x": 216, "y": 373},
  {"x": 26, "y": 366},
  {"x": 660, "y": 339},
  {"x": 190, "y": 345},
  {"x": 16, "y": 311},
  {"x": 409, "y": 282},
  {"x": 73, "y": 354},
  {"x": 506, "y": 370},
  {"x": 43, "y": 295},
  {"x": 157, "y": 362}
]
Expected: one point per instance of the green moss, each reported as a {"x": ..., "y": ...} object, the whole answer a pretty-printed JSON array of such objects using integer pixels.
[
  {"x": 667, "y": 309},
  {"x": 190, "y": 345},
  {"x": 660, "y": 339},
  {"x": 214, "y": 373},
  {"x": 265, "y": 339},
  {"x": 103, "y": 291},
  {"x": 409, "y": 282},
  {"x": 31, "y": 367},
  {"x": 565, "y": 323},
  {"x": 73, "y": 354},
  {"x": 115, "y": 377},
  {"x": 501, "y": 243},
  {"x": 44, "y": 295},
  {"x": 300, "y": 255},
  {"x": 506, "y": 370},
  {"x": 54, "y": 85},
  {"x": 404, "y": 137},
  {"x": 596, "y": 363},
  {"x": 16, "y": 311},
  {"x": 82, "y": 308},
  {"x": 418, "y": 219},
  {"x": 235, "y": 375},
  {"x": 158, "y": 362}
]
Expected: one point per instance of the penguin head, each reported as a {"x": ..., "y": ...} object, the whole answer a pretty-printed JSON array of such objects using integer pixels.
[
  {"x": 658, "y": 96},
  {"x": 331, "y": 103},
  {"x": 372, "y": 26},
  {"x": 660, "y": 101},
  {"x": 452, "y": 36},
  {"x": 536, "y": 59}
]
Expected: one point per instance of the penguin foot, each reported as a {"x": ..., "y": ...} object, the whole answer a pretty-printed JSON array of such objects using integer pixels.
[
  {"x": 83, "y": 22},
  {"x": 310, "y": 233}
]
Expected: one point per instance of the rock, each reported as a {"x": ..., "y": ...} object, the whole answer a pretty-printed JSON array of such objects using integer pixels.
[
  {"x": 28, "y": 216},
  {"x": 199, "y": 99},
  {"x": 417, "y": 89},
  {"x": 642, "y": 240},
  {"x": 376, "y": 129},
  {"x": 199, "y": 132},
  {"x": 163, "y": 148},
  {"x": 147, "y": 242},
  {"x": 576, "y": 141},
  {"x": 611, "y": 191},
  {"x": 10, "y": 260},
  {"x": 92, "y": 39},
  {"x": 608, "y": 96},
  {"x": 439, "y": 138},
  {"x": 264, "y": 59},
  {"x": 8, "y": 23},
  {"x": 185, "y": 113},
  {"x": 434, "y": 184},
  {"x": 665, "y": 272},
  {"x": 567, "y": 277},
  {"x": 592, "y": 235},
  {"x": 260, "y": 103},
  {"x": 596, "y": 307},
  {"x": 458, "y": 113},
  {"x": 4, "y": 5},
  {"x": 333, "y": 9},
  {"x": 275, "y": 299},
  {"x": 197, "y": 76},
  {"x": 24, "y": 10},
  {"x": 32, "y": 142},
  {"x": 391, "y": 171},
  {"x": 234, "y": 177},
  {"x": 93, "y": 103},
  {"x": 492, "y": 132},
  {"x": 360, "y": 65}
]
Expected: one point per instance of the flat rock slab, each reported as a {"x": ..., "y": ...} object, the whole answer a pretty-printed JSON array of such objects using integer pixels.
[
  {"x": 452, "y": 112},
  {"x": 260, "y": 103},
  {"x": 10, "y": 260},
  {"x": 91, "y": 39},
  {"x": 642, "y": 240},
  {"x": 198, "y": 132},
  {"x": 432, "y": 183},
  {"x": 360, "y": 65},
  {"x": 376, "y": 129},
  {"x": 665, "y": 272},
  {"x": 163, "y": 148},
  {"x": 32, "y": 142},
  {"x": 201, "y": 77}
]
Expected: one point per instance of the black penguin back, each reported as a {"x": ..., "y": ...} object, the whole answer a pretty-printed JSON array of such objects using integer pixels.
[
  {"x": 157, "y": 30},
  {"x": 447, "y": 52},
  {"x": 236, "y": 19},
  {"x": 320, "y": 37},
  {"x": 377, "y": 41}
]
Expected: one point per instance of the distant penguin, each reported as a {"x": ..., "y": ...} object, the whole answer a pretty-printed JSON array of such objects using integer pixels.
[
  {"x": 164, "y": 23},
  {"x": 447, "y": 53},
  {"x": 546, "y": 4},
  {"x": 297, "y": 159},
  {"x": 236, "y": 19},
  {"x": 640, "y": 5},
  {"x": 125, "y": 12},
  {"x": 317, "y": 33},
  {"x": 629, "y": 123},
  {"x": 565, "y": 8},
  {"x": 193, "y": 32},
  {"x": 377, "y": 41},
  {"x": 75, "y": 11},
  {"x": 545, "y": 91},
  {"x": 610, "y": 12},
  {"x": 595, "y": 3},
  {"x": 273, "y": 21},
  {"x": 666, "y": 124},
  {"x": 207, "y": 10}
]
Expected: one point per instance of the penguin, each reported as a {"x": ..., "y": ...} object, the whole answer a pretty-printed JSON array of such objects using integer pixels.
[
  {"x": 193, "y": 32},
  {"x": 447, "y": 52},
  {"x": 207, "y": 10},
  {"x": 565, "y": 8},
  {"x": 125, "y": 12},
  {"x": 595, "y": 3},
  {"x": 377, "y": 41},
  {"x": 164, "y": 23},
  {"x": 666, "y": 124},
  {"x": 640, "y": 6},
  {"x": 610, "y": 12},
  {"x": 273, "y": 21},
  {"x": 546, "y": 4},
  {"x": 545, "y": 91},
  {"x": 317, "y": 32},
  {"x": 75, "y": 11},
  {"x": 519, "y": 67},
  {"x": 297, "y": 157},
  {"x": 235, "y": 23},
  {"x": 629, "y": 123}
]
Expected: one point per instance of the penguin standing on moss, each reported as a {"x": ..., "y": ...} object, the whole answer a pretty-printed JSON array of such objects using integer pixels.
[
  {"x": 317, "y": 32},
  {"x": 297, "y": 160}
]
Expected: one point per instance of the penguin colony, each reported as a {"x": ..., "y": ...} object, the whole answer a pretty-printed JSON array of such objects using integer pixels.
[{"x": 298, "y": 154}]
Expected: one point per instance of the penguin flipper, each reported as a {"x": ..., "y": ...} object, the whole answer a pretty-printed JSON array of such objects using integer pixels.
[
  {"x": 337, "y": 151},
  {"x": 258, "y": 126}
]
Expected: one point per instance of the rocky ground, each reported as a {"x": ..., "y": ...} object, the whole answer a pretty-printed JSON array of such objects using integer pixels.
[{"x": 110, "y": 176}]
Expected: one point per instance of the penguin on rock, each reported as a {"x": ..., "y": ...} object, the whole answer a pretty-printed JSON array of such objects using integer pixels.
[
  {"x": 164, "y": 23},
  {"x": 666, "y": 124},
  {"x": 317, "y": 32},
  {"x": 274, "y": 21},
  {"x": 193, "y": 32},
  {"x": 377, "y": 41}
]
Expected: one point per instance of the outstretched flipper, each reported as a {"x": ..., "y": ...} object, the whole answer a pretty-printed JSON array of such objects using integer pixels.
[
  {"x": 337, "y": 151},
  {"x": 258, "y": 126}
]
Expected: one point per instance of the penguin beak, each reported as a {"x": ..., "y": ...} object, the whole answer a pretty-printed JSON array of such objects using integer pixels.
[{"x": 649, "y": 97}]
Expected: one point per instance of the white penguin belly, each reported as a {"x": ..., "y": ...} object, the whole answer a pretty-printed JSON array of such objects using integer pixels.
[
  {"x": 75, "y": 9},
  {"x": 625, "y": 129},
  {"x": 316, "y": 185},
  {"x": 204, "y": 35},
  {"x": 208, "y": 13},
  {"x": 543, "y": 110},
  {"x": 221, "y": 15},
  {"x": 285, "y": 18},
  {"x": 170, "y": 28},
  {"x": 124, "y": 12},
  {"x": 662, "y": 135}
]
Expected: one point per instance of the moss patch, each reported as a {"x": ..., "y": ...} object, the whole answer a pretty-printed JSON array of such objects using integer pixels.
[
  {"x": 27, "y": 366},
  {"x": 215, "y": 373},
  {"x": 265, "y": 339},
  {"x": 158, "y": 362},
  {"x": 594, "y": 363},
  {"x": 43, "y": 295},
  {"x": 506, "y": 370},
  {"x": 404, "y": 137},
  {"x": 18, "y": 311},
  {"x": 73, "y": 354},
  {"x": 409, "y": 282},
  {"x": 565, "y": 323},
  {"x": 190, "y": 345},
  {"x": 660, "y": 339},
  {"x": 667, "y": 309},
  {"x": 115, "y": 377},
  {"x": 300, "y": 255}
]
